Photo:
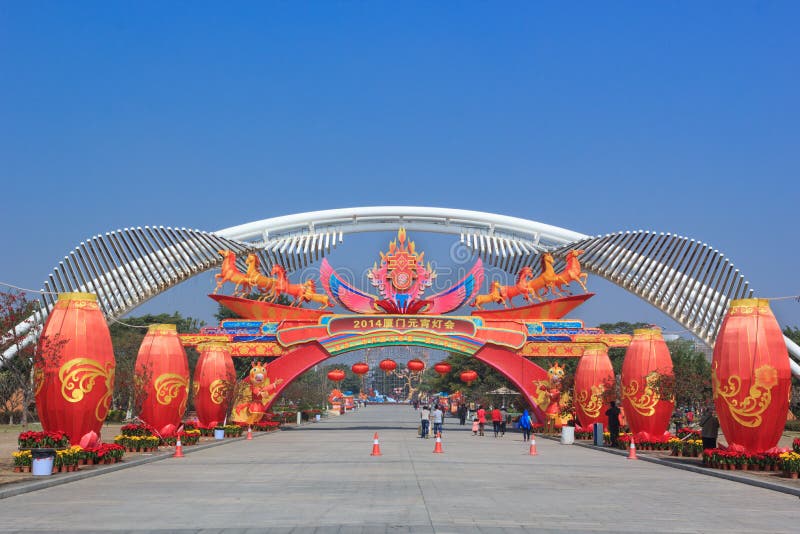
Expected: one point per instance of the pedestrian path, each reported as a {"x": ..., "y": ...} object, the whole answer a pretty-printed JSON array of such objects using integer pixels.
[{"x": 321, "y": 477}]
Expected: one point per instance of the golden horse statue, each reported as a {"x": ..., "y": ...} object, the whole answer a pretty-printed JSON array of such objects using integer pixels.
[
  {"x": 264, "y": 284},
  {"x": 493, "y": 295},
  {"x": 310, "y": 296},
  {"x": 283, "y": 287},
  {"x": 572, "y": 272},
  {"x": 552, "y": 280},
  {"x": 520, "y": 287},
  {"x": 231, "y": 273}
]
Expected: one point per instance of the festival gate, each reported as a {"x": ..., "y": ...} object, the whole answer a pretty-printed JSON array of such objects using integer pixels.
[{"x": 291, "y": 339}]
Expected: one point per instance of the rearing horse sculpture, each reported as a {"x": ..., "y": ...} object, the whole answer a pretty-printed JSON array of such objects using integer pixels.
[
  {"x": 263, "y": 283},
  {"x": 573, "y": 272},
  {"x": 519, "y": 288},
  {"x": 231, "y": 273},
  {"x": 283, "y": 287}
]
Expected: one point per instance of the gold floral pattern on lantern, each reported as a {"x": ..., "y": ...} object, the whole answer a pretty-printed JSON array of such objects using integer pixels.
[
  {"x": 747, "y": 411},
  {"x": 38, "y": 379},
  {"x": 644, "y": 402},
  {"x": 219, "y": 390},
  {"x": 78, "y": 377},
  {"x": 591, "y": 404},
  {"x": 168, "y": 386}
]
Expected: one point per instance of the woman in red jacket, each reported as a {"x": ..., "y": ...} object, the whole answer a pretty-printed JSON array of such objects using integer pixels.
[
  {"x": 481, "y": 413},
  {"x": 497, "y": 419}
]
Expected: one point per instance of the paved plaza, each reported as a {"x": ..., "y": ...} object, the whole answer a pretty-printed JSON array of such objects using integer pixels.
[{"x": 320, "y": 477}]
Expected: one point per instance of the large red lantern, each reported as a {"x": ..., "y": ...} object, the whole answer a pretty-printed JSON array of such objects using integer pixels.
[
  {"x": 751, "y": 376},
  {"x": 593, "y": 376},
  {"x": 442, "y": 368},
  {"x": 469, "y": 376},
  {"x": 388, "y": 365},
  {"x": 360, "y": 368},
  {"x": 336, "y": 375},
  {"x": 416, "y": 366},
  {"x": 647, "y": 379},
  {"x": 214, "y": 379},
  {"x": 163, "y": 370},
  {"x": 74, "y": 377}
]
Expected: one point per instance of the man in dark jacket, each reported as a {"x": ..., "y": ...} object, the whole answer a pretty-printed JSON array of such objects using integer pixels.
[{"x": 613, "y": 423}]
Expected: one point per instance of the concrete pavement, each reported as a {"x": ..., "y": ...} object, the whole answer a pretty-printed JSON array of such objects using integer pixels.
[{"x": 321, "y": 478}]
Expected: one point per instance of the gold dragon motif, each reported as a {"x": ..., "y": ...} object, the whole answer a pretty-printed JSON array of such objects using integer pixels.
[
  {"x": 749, "y": 410},
  {"x": 168, "y": 386},
  {"x": 644, "y": 402},
  {"x": 591, "y": 403},
  {"x": 219, "y": 390},
  {"x": 79, "y": 376}
]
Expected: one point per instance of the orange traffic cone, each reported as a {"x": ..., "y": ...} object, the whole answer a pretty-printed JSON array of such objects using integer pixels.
[
  {"x": 632, "y": 451},
  {"x": 249, "y": 433},
  {"x": 376, "y": 445},
  {"x": 437, "y": 449},
  {"x": 178, "y": 449},
  {"x": 533, "y": 446}
]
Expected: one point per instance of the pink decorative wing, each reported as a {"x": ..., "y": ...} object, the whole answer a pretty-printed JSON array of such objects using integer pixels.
[
  {"x": 459, "y": 294},
  {"x": 349, "y": 297}
]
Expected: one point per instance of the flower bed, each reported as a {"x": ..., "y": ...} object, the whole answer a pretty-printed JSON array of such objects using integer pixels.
[
  {"x": 796, "y": 445},
  {"x": 38, "y": 440},
  {"x": 686, "y": 447},
  {"x": 686, "y": 431},
  {"x": 188, "y": 437},
  {"x": 262, "y": 426},
  {"x": 722, "y": 458},
  {"x": 137, "y": 443}
]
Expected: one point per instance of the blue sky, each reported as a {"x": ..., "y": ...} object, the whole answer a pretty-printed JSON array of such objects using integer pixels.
[{"x": 598, "y": 117}]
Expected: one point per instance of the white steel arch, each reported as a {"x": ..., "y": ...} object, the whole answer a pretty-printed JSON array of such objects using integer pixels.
[{"x": 128, "y": 267}]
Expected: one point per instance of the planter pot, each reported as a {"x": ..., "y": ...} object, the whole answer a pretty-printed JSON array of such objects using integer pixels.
[
  {"x": 18, "y": 469},
  {"x": 745, "y": 467},
  {"x": 793, "y": 475}
]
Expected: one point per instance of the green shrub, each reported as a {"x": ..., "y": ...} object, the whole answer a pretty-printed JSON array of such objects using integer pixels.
[{"x": 793, "y": 426}]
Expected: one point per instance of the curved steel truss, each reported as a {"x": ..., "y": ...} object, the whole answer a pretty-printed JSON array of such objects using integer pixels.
[{"x": 689, "y": 281}]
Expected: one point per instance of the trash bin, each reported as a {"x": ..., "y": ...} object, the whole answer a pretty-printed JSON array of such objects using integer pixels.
[
  {"x": 567, "y": 435},
  {"x": 42, "y": 461},
  {"x": 317, "y": 418},
  {"x": 219, "y": 433},
  {"x": 597, "y": 435}
]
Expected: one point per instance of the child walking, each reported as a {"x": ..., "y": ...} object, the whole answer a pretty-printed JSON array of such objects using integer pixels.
[{"x": 475, "y": 427}]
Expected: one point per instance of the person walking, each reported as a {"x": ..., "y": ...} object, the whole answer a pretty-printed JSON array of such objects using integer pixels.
[
  {"x": 525, "y": 425},
  {"x": 462, "y": 414},
  {"x": 496, "y": 418},
  {"x": 504, "y": 415},
  {"x": 438, "y": 418},
  {"x": 475, "y": 426},
  {"x": 481, "y": 413},
  {"x": 709, "y": 428},
  {"x": 425, "y": 421},
  {"x": 613, "y": 423}
]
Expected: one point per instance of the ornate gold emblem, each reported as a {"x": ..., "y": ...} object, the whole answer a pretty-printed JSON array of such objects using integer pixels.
[
  {"x": 591, "y": 403},
  {"x": 219, "y": 390},
  {"x": 645, "y": 401},
  {"x": 168, "y": 386},
  {"x": 79, "y": 376},
  {"x": 749, "y": 410}
]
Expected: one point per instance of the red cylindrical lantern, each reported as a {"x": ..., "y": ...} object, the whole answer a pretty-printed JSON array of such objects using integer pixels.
[
  {"x": 388, "y": 365},
  {"x": 647, "y": 379},
  {"x": 593, "y": 376},
  {"x": 74, "y": 375},
  {"x": 360, "y": 368},
  {"x": 469, "y": 376},
  {"x": 416, "y": 366},
  {"x": 751, "y": 376},
  {"x": 336, "y": 375},
  {"x": 214, "y": 379},
  {"x": 442, "y": 368},
  {"x": 163, "y": 371}
]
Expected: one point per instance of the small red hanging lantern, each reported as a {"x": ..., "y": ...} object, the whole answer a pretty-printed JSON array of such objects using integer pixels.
[
  {"x": 336, "y": 375},
  {"x": 416, "y": 366},
  {"x": 469, "y": 376},
  {"x": 388, "y": 365},
  {"x": 442, "y": 368},
  {"x": 360, "y": 368}
]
